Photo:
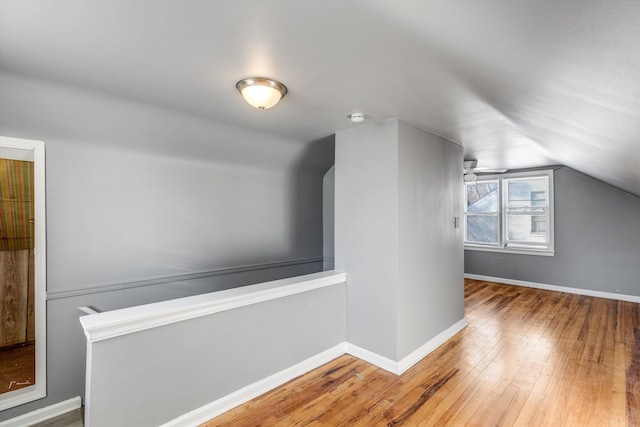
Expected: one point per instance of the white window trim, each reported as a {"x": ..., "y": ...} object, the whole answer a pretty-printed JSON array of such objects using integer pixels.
[{"x": 501, "y": 248}]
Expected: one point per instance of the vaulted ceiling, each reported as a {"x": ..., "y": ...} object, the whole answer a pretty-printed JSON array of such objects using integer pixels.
[{"x": 518, "y": 83}]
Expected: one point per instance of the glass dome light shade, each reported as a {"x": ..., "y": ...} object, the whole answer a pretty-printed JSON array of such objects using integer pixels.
[{"x": 261, "y": 93}]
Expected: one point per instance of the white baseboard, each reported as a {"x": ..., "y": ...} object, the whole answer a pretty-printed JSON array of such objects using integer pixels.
[
  {"x": 373, "y": 358},
  {"x": 578, "y": 291},
  {"x": 44, "y": 414},
  {"x": 230, "y": 401},
  {"x": 431, "y": 345},
  {"x": 417, "y": 355}
]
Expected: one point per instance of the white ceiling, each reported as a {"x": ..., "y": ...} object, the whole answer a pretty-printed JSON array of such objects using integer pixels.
[{"x": 518, "y": 83}]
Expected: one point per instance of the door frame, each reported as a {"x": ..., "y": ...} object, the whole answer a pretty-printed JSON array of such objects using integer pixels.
[{"x": 30, "y": 150}]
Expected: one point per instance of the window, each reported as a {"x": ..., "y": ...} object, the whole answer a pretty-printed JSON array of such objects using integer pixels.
[
  {"x": 510, "y": 213},
  {"x": 482, "y": 213}
]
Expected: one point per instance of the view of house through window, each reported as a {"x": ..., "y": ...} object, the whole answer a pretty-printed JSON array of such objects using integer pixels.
[
  {"x": 510, "y": 212},
  {"x": 482, "y": 213}
]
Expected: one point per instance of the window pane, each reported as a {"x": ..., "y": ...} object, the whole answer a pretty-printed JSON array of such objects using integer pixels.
[
  {"x": 527, "y": 228},
  {"x": 482, "y": 229},
  {"x": 482, "y": 196},
  {"x": 527, "y": 193},
  {"x": 538, "y": 224},
  {"x": 526, "y": 211}
]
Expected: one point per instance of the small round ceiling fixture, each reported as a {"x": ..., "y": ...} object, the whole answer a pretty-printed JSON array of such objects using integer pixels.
[
  {"x": 260, "y": 92},
  {"x": 356, "y": 117},
  {"x": 468, "y": 167}
]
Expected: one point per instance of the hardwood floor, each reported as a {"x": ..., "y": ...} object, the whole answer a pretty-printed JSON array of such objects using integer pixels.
[
  {"x": 17, "y": 367},
  {"x": 529, "y": 357}
]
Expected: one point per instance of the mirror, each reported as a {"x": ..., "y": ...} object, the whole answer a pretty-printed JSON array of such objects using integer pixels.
[{"x": 22, "y": 272}]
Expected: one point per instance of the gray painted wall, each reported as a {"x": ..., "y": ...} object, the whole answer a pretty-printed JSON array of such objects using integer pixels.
[
  {"x": 136, "y": 194},
  {"x": 328, "y": 213},
  {"x": 202, "y": 360},
  {"x": 431, "y": 282},
  {"x": 597, "y": 241},
  {"x": 366, "y": 236},
  {"x": 397, "y": 191}
]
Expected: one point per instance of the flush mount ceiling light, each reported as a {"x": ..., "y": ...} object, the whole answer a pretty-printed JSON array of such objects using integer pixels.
[
  {"x": 356, "y": 117},
  {"x": 261, "y": 93}
]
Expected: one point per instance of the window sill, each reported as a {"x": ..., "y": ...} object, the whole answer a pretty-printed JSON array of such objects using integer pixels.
[{"x": 515, "y": 251}]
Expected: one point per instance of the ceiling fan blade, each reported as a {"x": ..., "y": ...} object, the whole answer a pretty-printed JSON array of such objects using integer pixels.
[{"x": 484, "y": 169}]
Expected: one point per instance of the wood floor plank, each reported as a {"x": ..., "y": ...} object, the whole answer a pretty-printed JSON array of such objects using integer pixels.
[
  {"x": 529, "y": 357},
  {"x": 17, "y": 367},
  {"x": 632, "y": 343}
]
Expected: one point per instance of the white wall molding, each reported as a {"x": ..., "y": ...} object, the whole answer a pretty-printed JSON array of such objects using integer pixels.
[
  {"x": 403, "y": 365},
  {"x": 230, "y": 401},
  {"x": 373, "y": 358},
  {"x": 44, "y": 414},
  {"x": 569, "y": 290},
  {"x": 431, "y": 345},
  {"x": 178, "y": 277},
  {"x": 110, "y": 324},
  {"x": 21, "y": 396}
]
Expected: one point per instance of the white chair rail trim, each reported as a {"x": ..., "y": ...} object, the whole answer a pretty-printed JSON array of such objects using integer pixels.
[{"x": 111, "y": 324}]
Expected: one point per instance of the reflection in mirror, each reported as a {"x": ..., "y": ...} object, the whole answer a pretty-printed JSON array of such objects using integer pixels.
[
  {"x": 22, "y": 275},
  {"x": 17, "y": 329}
]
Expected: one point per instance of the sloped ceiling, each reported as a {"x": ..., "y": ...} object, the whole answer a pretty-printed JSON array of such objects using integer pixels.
[{"x": 517, "y": 83}]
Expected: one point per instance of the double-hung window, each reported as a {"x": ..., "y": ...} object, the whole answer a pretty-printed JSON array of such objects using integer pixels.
[{"x": 510, "y": 213}]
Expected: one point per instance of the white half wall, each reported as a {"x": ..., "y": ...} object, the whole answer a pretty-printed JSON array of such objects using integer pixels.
[{"x": 148, "y": 365}]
